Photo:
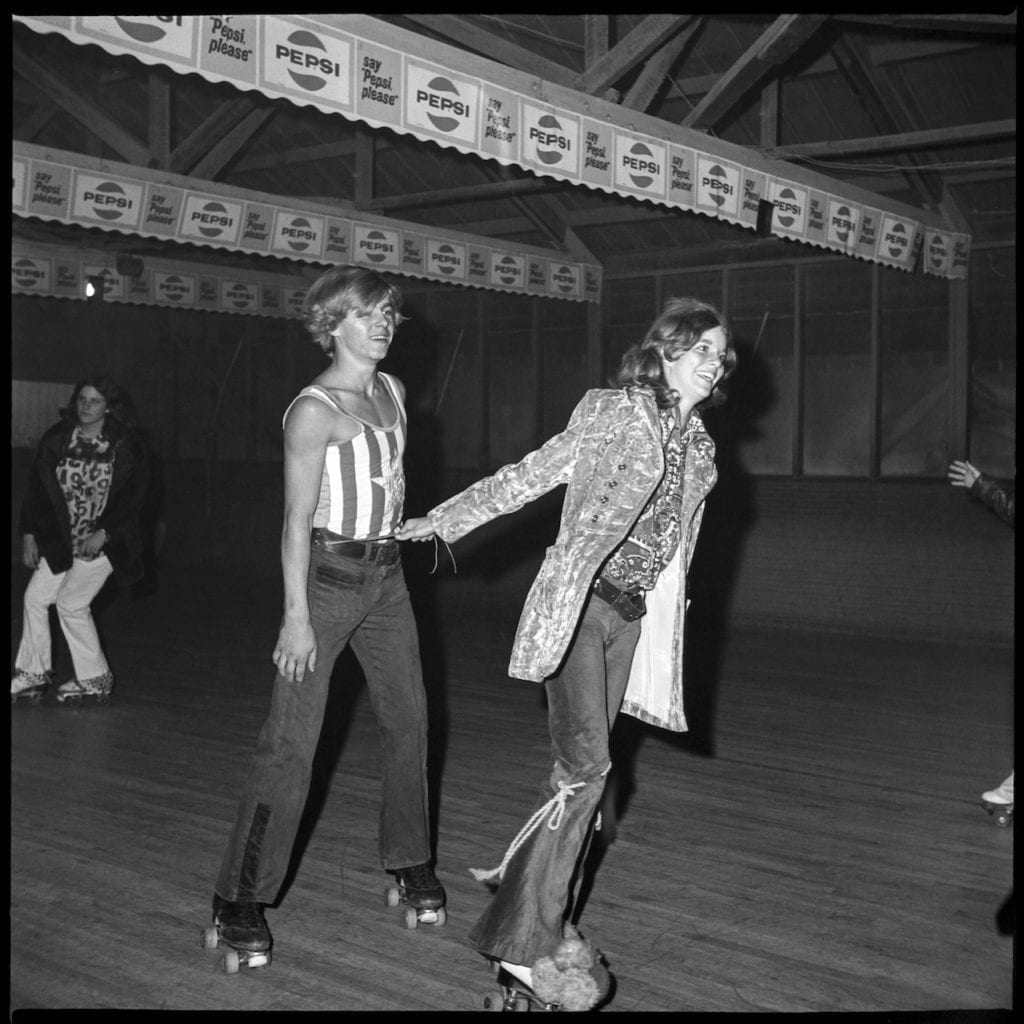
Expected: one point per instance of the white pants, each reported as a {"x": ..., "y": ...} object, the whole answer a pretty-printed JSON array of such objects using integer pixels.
[{"x": 72, "y": 592}]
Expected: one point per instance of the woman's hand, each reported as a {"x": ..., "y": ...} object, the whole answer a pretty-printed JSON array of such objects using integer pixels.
[
  {"x": 962, "y": 474},
  {"x": 415, "y": 529},
  {"x": 93, "y": 544},
  {"x": 29, "y": 552}
]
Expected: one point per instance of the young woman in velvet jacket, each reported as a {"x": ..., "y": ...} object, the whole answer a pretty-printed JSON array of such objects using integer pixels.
[{"x": 603, "y": 622}]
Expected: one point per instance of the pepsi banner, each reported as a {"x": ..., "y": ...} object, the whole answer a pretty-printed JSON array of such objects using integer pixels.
[
  {"x": 74, "y": 189},
  {"x": 54, "y": 272},
  {"x": 370, "y": 71}
]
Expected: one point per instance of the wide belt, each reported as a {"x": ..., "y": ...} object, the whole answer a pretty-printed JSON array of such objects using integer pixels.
[
  {"x": 375, "y": 551},
  {"x": 629, "y": 605}
]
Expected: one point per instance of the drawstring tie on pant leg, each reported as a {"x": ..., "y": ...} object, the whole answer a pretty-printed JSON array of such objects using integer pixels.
[{"x": 557, "y": 807}]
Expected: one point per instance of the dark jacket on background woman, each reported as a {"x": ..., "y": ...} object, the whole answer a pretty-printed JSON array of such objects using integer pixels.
[{"x": 44, "y": 512}]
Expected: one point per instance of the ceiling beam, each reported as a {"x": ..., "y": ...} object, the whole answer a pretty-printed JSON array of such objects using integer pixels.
[
  {"x": 773, "y": 48},
  {"x": 465, "y": 194},
  {"x": 158, "y": 123},
  {"x": 233, "y": 141},
  {"x": 495, "y": 47},
  {"x": 656, "y": 69},
  {"x": 881, "y": 106},
  {"x": 988, "y": 131},
  {"x": 648, "y": 36},
  {"x": 85, "y": 111},
  {"x": 1003, "y": 24},
  {"x": 219, "y": 123}
]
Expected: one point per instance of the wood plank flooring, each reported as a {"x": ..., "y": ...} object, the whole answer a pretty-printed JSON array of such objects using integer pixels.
[{"x": 814, "y": 845}]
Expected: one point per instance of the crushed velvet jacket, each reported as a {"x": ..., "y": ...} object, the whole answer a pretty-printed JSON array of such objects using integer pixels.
[{"x": 610, "y": 456}]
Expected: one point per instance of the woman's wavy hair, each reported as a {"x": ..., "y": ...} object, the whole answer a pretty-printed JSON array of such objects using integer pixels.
[
  {"x": 119, "y": 405},
  {"x": 340, "y": 291},
  {"x": 676, "y": 330}
]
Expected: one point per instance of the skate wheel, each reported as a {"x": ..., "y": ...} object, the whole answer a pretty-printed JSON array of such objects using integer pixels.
[
  {"x": 392, "y": 897},
  {"x": 231, "y": 962},
  {"x": 209, "y": 937},
  {"x": 410, "y": 918},
  {"x": 494, "y": 1003},
  {"x": 440, "y": 917}
]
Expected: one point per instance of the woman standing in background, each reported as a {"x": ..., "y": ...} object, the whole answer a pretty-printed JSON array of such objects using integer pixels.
[{"x": 79, "y": 523}]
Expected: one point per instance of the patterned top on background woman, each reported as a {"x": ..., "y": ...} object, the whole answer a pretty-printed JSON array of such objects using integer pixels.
[{"x": 84, "y": 474}]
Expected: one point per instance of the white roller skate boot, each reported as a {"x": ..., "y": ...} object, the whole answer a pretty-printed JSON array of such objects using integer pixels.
[
  {"x": 98, "y": 688},
  {"x": 29, "y": 686},
  {"x": 999, "y": 801}
]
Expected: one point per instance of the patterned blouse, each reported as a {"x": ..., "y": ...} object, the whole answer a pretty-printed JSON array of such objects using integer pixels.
[
  {"x": 84, "y": 474},
  {"x": 639, "y": 559}
]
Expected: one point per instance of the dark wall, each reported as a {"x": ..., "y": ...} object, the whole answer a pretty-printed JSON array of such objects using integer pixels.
[{"x": 488, "y": 378}]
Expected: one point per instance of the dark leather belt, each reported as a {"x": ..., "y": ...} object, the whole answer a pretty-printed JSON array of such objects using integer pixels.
[
  {"x": 375, "y": 551},
  {"x": 628, "y": 604}
]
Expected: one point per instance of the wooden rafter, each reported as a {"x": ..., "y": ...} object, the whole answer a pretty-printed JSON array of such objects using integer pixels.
[
  {"x": 495, "y": 47},
  {"x": 82, "y": 109},
  {"x": 650, "y": 35},
  {"x": 1001, "y": 24},
  {"x": 207, "y": 136},
  {"x": 883, "y": 106},
  {"x": 775, "y": 46},
  {"x": 657, "y": 66},
  {"x": 989, "y": 131}
]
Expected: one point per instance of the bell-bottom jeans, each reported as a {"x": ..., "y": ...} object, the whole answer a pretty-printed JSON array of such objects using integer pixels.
[
  {"x": 524, "y": 920},
  {"x": 367, "y": 605},
  {"x": 72, "y": 592}
]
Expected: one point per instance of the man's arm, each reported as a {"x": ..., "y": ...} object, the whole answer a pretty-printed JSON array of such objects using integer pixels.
[{"x": 306, "y": 432}]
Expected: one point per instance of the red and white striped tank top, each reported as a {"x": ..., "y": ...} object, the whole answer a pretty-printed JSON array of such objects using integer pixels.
[{"x": 362, "y": 490}]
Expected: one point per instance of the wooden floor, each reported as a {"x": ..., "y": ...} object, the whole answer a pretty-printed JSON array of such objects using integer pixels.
[{"x": 816, "y": 844}]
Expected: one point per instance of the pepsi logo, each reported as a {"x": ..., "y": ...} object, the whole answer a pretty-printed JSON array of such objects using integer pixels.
[
  {"x": 716, "y": 185},
  {"x": 641, "y": 165},
  {"x": 445, "y": 259},
  {"x": 237, "y": 295},
  {"x": 376, "y": 246},
  {"x": 108, "y": 199},
  {"x": 145, "y": 31},
  {"x": 787, "y": 207},
  {"x": 298, "y": 234},
  {"x": 552, "y": 142},
  {"x": 27, "y": 273},
  {"x": 212, "y": 219},
  {"x": 564, "y": 279},
  {"x": 897, "y": 240},
  {"x": 507, "y": 270},
  {"x": 174, "y": 288},
  {"x": 309, "y": 64},
  {"x": 441, "y": 95},
  {"x": 843, "y": 223}
]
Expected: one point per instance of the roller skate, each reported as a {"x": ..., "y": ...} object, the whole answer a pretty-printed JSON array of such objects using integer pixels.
[
  {"x": 29, "y": 686},
  {"x": 999, "y": 802},
  {"x": 422, "y": 893},
  {"x": 573, "y": 978},
  {"x": 242, "y": 928},
  {"x": 74, "y": 690}
]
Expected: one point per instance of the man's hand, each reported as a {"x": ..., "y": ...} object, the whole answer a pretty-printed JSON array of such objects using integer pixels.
[{"x": 295, "y": 650}]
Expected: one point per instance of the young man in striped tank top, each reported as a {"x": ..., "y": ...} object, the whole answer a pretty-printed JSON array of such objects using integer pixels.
[{"x": 343, "y": 584}]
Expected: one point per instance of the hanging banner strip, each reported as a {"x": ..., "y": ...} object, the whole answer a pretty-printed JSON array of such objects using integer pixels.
[
  {"x": 54, "y": 272},
  {"x": 370, "y": 71},
  {"x": 75, "y": 189}
]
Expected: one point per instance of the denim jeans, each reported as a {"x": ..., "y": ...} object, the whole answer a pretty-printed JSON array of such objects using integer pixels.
[
  {"x": 368, "y": 606},
  {"x": 524, "y": 920}
]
